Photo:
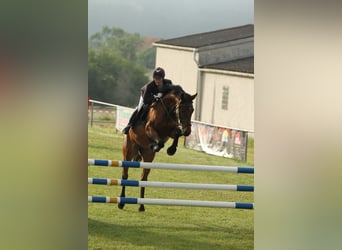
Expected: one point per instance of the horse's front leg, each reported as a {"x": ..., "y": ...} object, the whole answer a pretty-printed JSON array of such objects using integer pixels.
[
  {"x": 144, "y": 176},
  {"x": 173, "y": 148},
  {"x": 123, "y": 193},
  {"x": 156, "y": 142},
  {"x": 157, "y": 146}
]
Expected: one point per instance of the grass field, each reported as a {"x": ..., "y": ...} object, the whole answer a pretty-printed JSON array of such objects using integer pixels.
[{"x": 167, "y": 227}]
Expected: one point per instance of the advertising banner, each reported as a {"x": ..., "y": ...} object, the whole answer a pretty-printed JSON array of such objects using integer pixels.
[
  {"x": 220, "y": 141},
  {"x": 122, "y": 117}
]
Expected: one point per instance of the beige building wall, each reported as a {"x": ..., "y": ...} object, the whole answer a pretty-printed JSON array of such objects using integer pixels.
[
  {"x": 240, "y": 112},
  {"x": 180, "y": 67}
]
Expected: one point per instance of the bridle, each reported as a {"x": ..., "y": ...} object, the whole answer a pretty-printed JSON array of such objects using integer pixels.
[
  {"x": 181, "y": 106},
  {"x": 176, "y": 108}
]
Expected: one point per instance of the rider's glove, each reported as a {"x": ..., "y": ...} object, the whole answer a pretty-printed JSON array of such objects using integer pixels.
[{"x": 158, "y": 96}]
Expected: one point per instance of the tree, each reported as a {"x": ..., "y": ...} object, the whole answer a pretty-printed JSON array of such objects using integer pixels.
[
  {"x": 117, "y": 40},
  {"x": 115, "y": 74},
  {"x": 148, "y": 58},
  {"x": 113, "y": 79}
]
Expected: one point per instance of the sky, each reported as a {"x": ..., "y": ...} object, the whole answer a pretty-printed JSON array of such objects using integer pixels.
[{"x": 169, "y": 19}]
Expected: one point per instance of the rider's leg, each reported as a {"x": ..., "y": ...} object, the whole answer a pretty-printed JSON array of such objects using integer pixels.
[{"x": 138, "y": 112}]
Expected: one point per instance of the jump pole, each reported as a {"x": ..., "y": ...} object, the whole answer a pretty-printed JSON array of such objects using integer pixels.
[
  {"x": 158, "y": 184},
  {"x": 193, "y": 203},
  {"x": 156, "y": 165}
]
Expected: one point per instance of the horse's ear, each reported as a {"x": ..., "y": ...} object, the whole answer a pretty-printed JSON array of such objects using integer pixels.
[{"x": 193, "y": 96}]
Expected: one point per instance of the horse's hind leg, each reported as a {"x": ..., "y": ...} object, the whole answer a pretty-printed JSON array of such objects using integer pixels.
[
  {"x": 125, "y": 177},
  {"x": 147, "y": 157},
  {"x": 144, "y": 176},
  {"x": 137, "y": 158},
  {"x": 123, "y": 193},
  {"x": 128, "y": 151}
]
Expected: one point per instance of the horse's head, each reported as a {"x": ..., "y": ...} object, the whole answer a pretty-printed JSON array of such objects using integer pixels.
[{"x": 185, "y": 111}]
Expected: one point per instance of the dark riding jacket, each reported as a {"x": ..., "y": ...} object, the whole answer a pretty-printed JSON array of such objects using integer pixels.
[{"x": 149, "y": 90}]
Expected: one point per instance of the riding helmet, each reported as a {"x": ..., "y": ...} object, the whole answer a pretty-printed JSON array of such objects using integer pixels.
[{"x": 159, "y": 72}]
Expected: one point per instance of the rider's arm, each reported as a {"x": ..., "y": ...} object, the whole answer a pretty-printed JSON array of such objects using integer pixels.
[{"x": 148, "y": 94}]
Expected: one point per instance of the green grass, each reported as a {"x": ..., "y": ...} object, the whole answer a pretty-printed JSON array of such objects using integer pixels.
[{"x": 167, "y": 227}]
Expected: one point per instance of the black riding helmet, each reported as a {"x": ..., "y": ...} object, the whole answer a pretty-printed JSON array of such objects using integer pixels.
[{"x": 159, "y": 72}]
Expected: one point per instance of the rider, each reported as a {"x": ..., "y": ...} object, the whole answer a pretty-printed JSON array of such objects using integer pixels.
[{"x": 150, "y": 92}]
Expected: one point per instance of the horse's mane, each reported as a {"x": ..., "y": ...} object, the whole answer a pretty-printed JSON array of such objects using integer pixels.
[
  {"x": 162, "y": 111},
  {"x": 175, "y": 95},
  {"x": 177, "y": 90},
  {"x": 183, "y": 96},
  {"x": 169, "y": 98}
]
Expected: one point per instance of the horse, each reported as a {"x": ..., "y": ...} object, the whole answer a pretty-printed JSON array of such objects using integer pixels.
[{"x": 170, "y": 117}]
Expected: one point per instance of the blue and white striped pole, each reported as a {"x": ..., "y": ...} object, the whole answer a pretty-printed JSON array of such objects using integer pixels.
[
  {"x": 156, "y": 165},
  {"x": 158, "y": 184},
  {"x": 194, "y": 203}
]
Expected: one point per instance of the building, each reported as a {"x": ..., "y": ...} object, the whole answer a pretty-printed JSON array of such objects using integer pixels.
[{"x": 219, "y": 66}]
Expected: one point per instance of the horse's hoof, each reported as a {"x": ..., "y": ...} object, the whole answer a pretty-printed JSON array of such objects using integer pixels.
[
  {"x": 171, "y": 150},
  {"x": 156, "y": 148},
  {"x": 121, "y": 205},
  {"x": 141, "y": 209}
]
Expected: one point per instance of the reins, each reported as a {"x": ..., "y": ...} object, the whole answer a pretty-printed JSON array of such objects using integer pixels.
[
  {"x": 168, "y": 113},
  {"x": 176, "y": 107}
]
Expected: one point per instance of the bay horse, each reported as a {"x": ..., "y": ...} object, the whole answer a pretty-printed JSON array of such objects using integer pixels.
[{"x": 170, "y": 117}]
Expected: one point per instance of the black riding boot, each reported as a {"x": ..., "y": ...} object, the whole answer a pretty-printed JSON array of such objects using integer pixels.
[
  {"x": 138, "y": 114},
  {"x": 132, "y": 120}
]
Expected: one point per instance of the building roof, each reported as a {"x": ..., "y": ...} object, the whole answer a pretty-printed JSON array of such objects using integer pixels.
[
  {"x": 245, "y": 65},
  {"x": 210, "y": 38}
]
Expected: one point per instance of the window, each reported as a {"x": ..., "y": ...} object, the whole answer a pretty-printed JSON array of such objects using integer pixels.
[{"x": 225, "y": 94}]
